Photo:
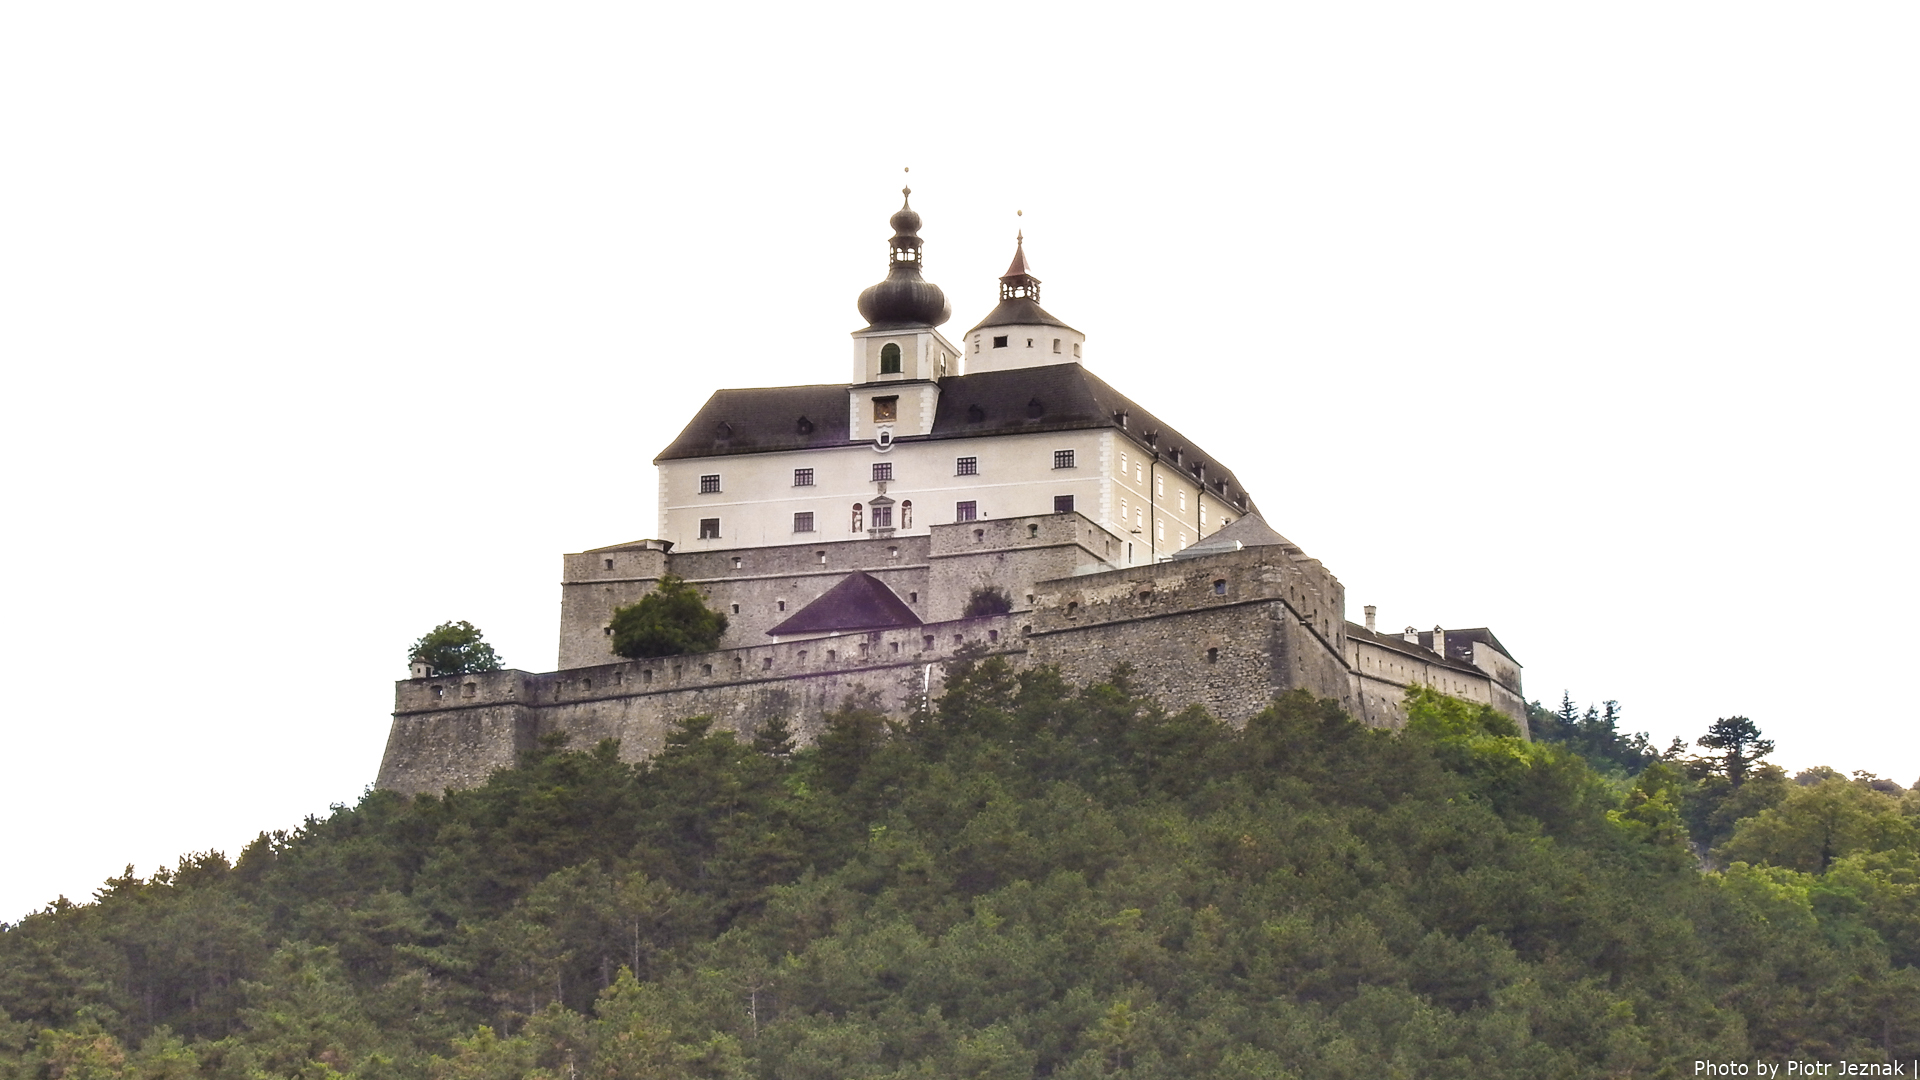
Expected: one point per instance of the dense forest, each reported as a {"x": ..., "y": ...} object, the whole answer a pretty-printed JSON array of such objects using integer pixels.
[{"x": 1030, "y": 879}]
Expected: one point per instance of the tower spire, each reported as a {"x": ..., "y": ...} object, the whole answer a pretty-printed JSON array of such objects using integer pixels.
[{"x": 1018, "y": 283}]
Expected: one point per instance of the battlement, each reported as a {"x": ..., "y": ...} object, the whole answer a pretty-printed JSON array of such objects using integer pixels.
[{"x": 1227, "y": 631}]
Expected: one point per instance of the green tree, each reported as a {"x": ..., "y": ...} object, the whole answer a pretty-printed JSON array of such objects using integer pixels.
[
  {"x": 987, "y": 600},
  {"x": 454, "y": 648},
  {"x": 1740, "y": 745},
  {"x": 672, "y": 620}
]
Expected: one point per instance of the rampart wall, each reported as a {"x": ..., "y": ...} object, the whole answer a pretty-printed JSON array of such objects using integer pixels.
[
  {"x": 1226, "y": 631},
  {"x": 453, "y": 731}
]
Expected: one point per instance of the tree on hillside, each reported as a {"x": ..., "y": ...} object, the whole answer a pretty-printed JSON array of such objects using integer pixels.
[
  {"x": 454, "y": 648},
  {"x": 672, "y": 620},
  {"x": 1740, "y": 745}
]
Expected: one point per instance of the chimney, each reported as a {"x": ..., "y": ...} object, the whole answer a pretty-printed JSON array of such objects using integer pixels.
[
  {"x": 1440, "y": 641},
  {"x": 1411, "y": 636},
  {"x": 1370, "y": 613}
]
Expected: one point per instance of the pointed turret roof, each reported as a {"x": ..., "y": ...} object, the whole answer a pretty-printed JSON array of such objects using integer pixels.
[
  {"x": 1020, "y": 295},
  {"x": 1243, "y": 532},
  {"x": 859, "y": 602}
]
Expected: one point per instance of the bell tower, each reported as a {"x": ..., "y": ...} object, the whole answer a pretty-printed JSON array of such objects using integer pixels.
[{"x": 900, "y": 356}]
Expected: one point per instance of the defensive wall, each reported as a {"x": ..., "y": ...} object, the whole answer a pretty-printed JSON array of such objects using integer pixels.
[
  {"x": 1227, "y": 631},
  {"x": 934, "y": 571}
]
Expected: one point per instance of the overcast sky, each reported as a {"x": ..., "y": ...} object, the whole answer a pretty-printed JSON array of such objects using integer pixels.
[{"x": 324, "y": 324}]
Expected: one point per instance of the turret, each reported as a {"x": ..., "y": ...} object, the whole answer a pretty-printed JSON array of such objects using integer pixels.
[{"x": 1019, "y": 333}]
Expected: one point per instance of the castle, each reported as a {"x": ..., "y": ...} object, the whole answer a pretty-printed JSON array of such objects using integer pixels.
[{"x": 849, "y": 530}]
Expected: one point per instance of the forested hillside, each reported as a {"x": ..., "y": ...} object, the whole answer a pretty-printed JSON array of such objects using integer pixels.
[{"x": 1031, "y": 880}]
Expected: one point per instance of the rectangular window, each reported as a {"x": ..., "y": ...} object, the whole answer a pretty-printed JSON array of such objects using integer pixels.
[
  {"x": 803, "y": 522},
  {"x": 709, "y": 528},
  {"x": 966, "y": 511},
  {"x": 1056, "y": 344},
  {"x": 1123, "y": 464},
  {"x": 885, "y": 409},
  {"x": 883, "y": 470},
  {"x": 966, "y": 466},
  {"x": 1159, "y": 530},
  {"x": 1183, "y": 502},
  {"x": 1160, "y": 487},
  {"x": 803, "y": 478},
  {"x": 709, "y": 483},
  {"x": 1000, "y": 342},
  {"x": 1063, "y": 504},
  {"x": 1063, "y": 459},
  {"x": 1203, "y": 515},
  {"x": 883, "y": 517},
  {"x": 1076, "y": 349}
]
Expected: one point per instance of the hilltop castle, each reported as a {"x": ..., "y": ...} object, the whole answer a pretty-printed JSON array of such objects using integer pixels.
[{"x": 845, "y": 529}]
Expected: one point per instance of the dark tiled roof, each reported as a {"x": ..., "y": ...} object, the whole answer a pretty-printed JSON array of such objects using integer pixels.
[
  {"x": 1244, "y": 532},
  {"x": 859, "y": 602},
  {"x": 1457, "y": 641},
  {"x": 763, "y": 420},
  {"x": 1019, "y": 311},
  {"x": 1423, "y": 651},
  {"x": 1066, "y": 397}
]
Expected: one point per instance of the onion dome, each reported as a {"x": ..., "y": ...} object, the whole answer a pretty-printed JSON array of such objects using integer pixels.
[{"x": 905, "y": 298}]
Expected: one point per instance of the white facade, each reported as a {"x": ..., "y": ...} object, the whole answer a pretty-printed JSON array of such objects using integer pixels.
[{"x": 1001, "y": 348}]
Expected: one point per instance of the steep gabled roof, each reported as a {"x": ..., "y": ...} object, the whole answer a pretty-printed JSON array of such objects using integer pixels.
[
  {"x": 859, "y": 602},
  {"x": 1051, "y": 397},
  {"x": 762, "y": 420}
]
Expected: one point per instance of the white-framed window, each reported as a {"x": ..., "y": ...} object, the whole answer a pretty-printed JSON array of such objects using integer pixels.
[
  {"x": 709, "y": 528},
  {"x": 966, "y": 511},
  {"x": 1203, "y": 515},
  {"x": 1160, "y": 487},
  {"x": 883, "y": 470},
  {"x": 803, "y": 478},
  {"x": 1063, "y": 459},
  {"x": 1183, "y": 501},
  {"x": 1123, "y": 464},
  {"x": 1063, "y": 504},
  {"x": 966, "y": 466},
  {"x": 709, "y": 483},
  {"x": 1159, "y": 530},
  {"x": 1123, "y": 509},
  {"x": 883, "y": 516},
  {"x": 803, "y": 522}
]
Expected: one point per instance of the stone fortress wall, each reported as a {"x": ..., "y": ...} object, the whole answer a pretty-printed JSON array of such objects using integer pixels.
[{"x": 1227, "y": 631}]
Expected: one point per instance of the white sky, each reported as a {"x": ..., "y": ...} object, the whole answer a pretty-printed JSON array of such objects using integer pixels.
[{"x": 322, "y": 325}]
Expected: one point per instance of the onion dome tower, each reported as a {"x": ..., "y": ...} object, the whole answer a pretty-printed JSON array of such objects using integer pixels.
[
  {"x": 899, "y": 357},
  {"x": 905, "y": 298}
]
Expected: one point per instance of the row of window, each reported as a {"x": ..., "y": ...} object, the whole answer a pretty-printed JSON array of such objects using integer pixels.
[
  {"x": 883, "y": 471},
  {"x": 881, "y": 516},
  {"x": 1000, "y": 342}
]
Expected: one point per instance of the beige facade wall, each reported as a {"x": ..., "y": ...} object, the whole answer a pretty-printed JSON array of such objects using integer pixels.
[
  {"x": 1027, "y": 346},
  {"x": 758, "y": 499}
]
